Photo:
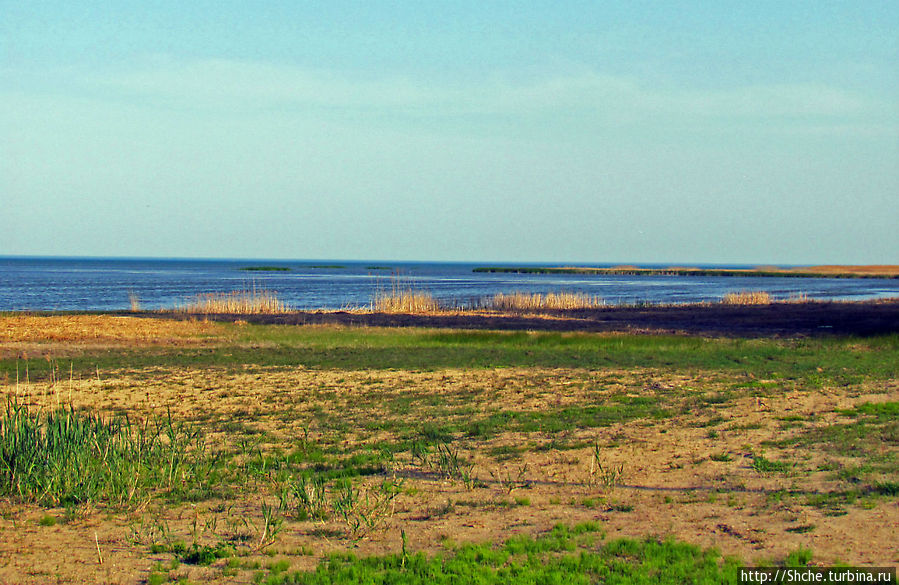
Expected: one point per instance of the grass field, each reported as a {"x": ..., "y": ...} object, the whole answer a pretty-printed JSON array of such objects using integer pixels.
[{"x": 137, "y": 450}]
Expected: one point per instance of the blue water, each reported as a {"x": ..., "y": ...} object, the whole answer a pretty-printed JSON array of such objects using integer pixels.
[{"x": 41, "y": 284}]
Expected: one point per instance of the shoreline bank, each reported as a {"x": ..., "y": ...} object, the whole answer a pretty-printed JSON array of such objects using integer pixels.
[{"x": 885, "y": 272}]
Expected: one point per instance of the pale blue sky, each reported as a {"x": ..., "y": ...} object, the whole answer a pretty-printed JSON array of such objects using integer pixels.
[{"x": 702, "y": 132}]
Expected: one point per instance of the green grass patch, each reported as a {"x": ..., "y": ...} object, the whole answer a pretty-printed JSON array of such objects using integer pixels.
[
  {"x": 833, "y": 503},
  {"x": 47, "y": 520},
  {"x": 563, "y": 419},
  {"x": 66, "y": 457},
  {"x": 764, "y": 465},
  {"x": 558, "y": 557},
  {"x": 882, "y": 411},
  {"x": 811, "y": 361},
  {"x": 198, "y": 554},
  {"x": 872, "y": 437},
  {"x": 886, "y": 488}
]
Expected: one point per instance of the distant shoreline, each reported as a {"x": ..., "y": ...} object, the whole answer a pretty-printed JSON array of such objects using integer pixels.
[{"x": 861, "y": 271}]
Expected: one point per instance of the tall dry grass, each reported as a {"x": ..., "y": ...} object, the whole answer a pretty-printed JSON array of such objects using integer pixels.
[
  {"x": 402, "y": 297},
  {"x": 747, "y": 297},
  {"x": 254, "y": 302},
  {"x": 404, "y": 302},
  {"x": 102, "y": 329},
  {"x": 134, "y": 301},
  {"x": 519, "y": 301}
]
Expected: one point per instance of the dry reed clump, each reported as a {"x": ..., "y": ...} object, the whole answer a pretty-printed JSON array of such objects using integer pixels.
[
  {"x": 526, "y": 302},
  {"x": 748, "y": 297},
  {"x": 134, "y": 301},
  {"x": 402, "y": 297},
  {"x": 237, "y": 302},
  {"x": 408, "y": 301}
]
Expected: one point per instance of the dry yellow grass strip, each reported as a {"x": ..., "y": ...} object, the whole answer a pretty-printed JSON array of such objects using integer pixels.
[
  {"x": 528, "y": 302},
  {"x": 80, "y": 328},
  {"x": 874, "y": 269}
]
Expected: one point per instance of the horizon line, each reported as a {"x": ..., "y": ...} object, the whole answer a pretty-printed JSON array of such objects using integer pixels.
[{"x": 553, "y": 263}]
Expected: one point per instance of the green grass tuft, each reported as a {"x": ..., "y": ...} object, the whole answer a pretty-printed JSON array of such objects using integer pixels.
[
  {"x": 763, "y": 465},
  {"x": 66, "y": 457}
]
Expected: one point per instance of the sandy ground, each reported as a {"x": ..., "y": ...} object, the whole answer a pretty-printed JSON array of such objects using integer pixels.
[
  {"x": 668, "y": 486},
  {"x": 689, "y": 476}
]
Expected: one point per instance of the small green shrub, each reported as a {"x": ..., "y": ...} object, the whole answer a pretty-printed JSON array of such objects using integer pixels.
[{"x": 205, "y": 554}]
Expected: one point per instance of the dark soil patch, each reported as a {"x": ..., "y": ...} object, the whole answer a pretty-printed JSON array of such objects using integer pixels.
[{"x": 774, "y": 320}]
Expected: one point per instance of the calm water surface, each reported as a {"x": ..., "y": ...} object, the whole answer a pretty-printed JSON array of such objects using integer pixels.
[{"x": 40, "y": 284}]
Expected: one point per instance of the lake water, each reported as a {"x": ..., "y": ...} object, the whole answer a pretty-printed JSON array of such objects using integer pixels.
[{"x": 41, "y": 284}]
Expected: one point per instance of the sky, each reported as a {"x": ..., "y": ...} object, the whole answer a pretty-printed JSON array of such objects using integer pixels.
[{"x": 722, "y": 132}]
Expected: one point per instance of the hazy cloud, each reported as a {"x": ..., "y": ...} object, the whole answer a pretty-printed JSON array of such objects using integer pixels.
[{"x": 242, "y": 85}]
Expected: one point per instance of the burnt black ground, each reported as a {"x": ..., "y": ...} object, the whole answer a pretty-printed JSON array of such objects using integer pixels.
[{"x": 805, "y": 319}]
